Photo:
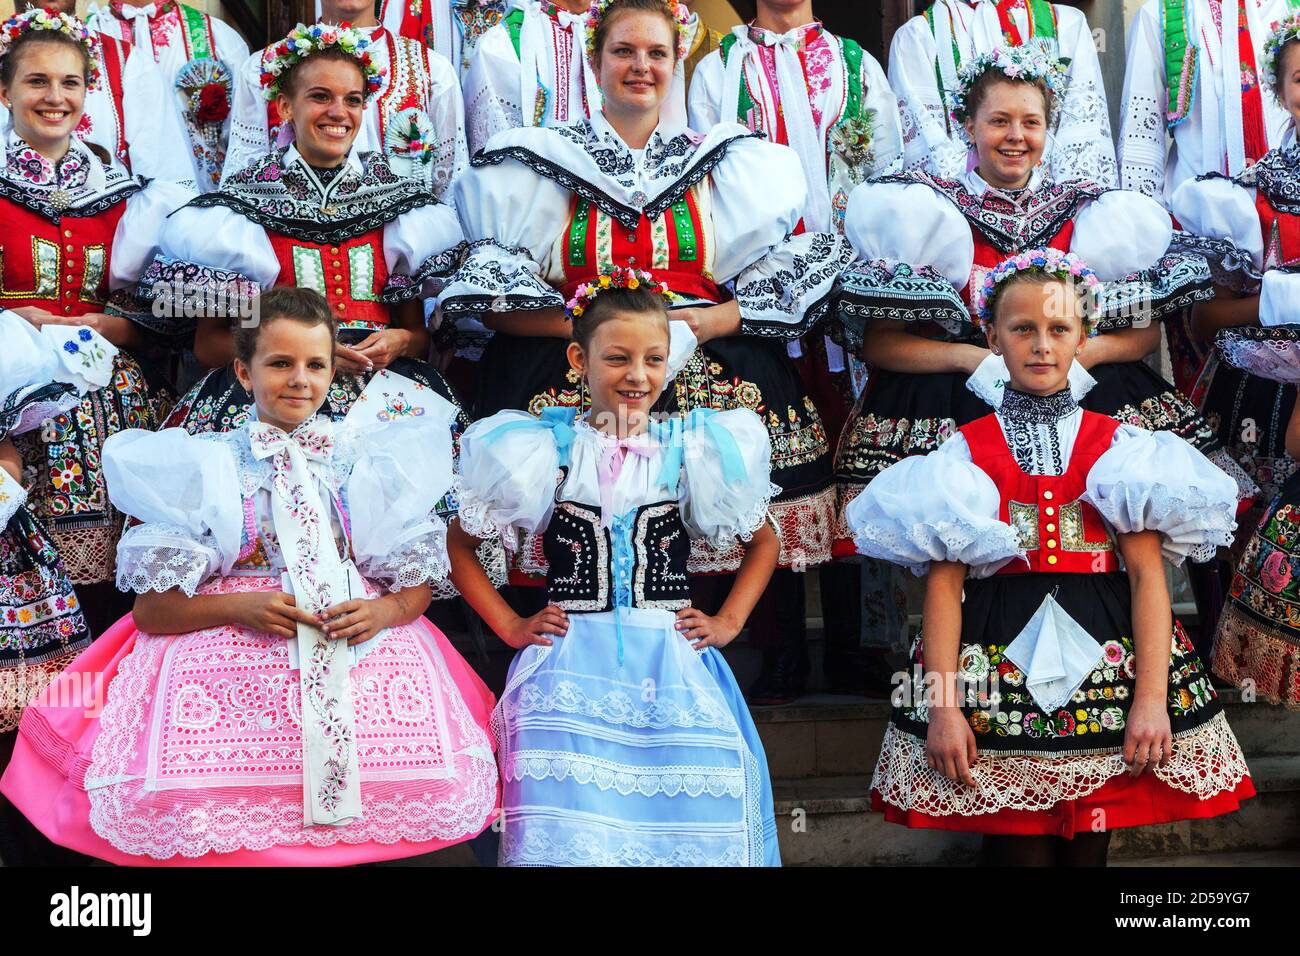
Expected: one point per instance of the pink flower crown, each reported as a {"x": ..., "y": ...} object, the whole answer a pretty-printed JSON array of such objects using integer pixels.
[
  {"x": 50, "y": 19},
  {"x": 304, "y": 40},
  {"x": 623, "y": 277},
  {"x": 681, "y": 17},
  {"x": 1025, "y": 63},
  {"x": 1065, "y": 266}
]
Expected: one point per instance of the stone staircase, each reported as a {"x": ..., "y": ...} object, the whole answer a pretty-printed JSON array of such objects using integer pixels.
[{"x": 822, "y": 749}]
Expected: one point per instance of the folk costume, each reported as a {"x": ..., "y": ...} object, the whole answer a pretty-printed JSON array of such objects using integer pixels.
[
  {"x": 75, "y": 231},
  {"x": 416, "y": 118},
  {"x": 228, "y": 746},
  {"x": 451, "y": 28},
  {"x": 929, "y": 51},
  {"x": 197, "y": 55},
  {"x": 926, "y": 245},
  {"x": 1030, "y": 498},
  {"x": 593, "y": 771},
  {"x": 43, "y": 373},
  {"x": 546, "y": 210}
]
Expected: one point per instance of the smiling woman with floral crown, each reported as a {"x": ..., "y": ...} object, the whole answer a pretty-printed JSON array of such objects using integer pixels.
[
  {"x": 318, "y": 214},
  {"x": 75, "y": 235},
  {"x": 925, "y": 245},
  {"x": 546, "y": 210}
]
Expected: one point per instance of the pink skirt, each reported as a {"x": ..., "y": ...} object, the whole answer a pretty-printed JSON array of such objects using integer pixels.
[{"x": 187, "y": 750}]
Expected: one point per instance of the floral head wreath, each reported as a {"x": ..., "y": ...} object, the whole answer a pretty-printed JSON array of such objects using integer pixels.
[
  {"x": 622, "y": 277},
  {"x": 681, "y": 17},
  {"x": 303, "y": 41},
  {"x": 50, "y": 19},
  {"x": 1065, "y": 266},
  {"x": 1025, "y": 63},
  {"x": 1287, "y": 30}
]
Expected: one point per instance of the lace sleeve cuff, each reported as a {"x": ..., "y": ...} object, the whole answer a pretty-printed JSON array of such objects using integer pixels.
[
  {"x": 496, "y": 277},
  {"x": 420, "y": 558},
  {"x": 879, "y": 289},
  {"x": 1176, "y": 281},
  {"x": 172, "y": 295},
  {"x": 429, "y": 279},
  {"x": 789, "y": 290},
  {"x": 156, "y": 557}
]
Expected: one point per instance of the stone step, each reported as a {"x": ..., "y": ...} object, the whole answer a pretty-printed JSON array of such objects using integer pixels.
[
  {"x": 834, "y": 735},
  {"x": 828, "y": 821}
]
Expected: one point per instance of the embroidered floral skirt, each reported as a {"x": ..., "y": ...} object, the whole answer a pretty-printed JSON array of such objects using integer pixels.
[
  {"x": 1258, "y": 641},
  {"x": 41, "y": 626},
  {"x": 899, "y": 415},
  {"x": 1249, "y": 415},
  {"x": 187, "y": 749},
  {"x": 1049, "y": 772},
  {"x": 735, "y": 372},
  {"x": 63, "y": 469},
  {"x": 620, "y": 745}
]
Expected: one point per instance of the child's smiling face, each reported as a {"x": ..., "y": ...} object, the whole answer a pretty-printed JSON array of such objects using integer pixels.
[
  {"x": 626, "y": 364},
  {"x": 290, "y": 372}
]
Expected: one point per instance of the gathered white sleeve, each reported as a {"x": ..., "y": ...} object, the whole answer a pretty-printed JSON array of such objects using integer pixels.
[
  {"x": 887, "y": 137},
  {"x": 926, "y": 143},
  {"x": 399, "y": 472},
  {"x": 186, "y": 491},
  {"x": 447, "y": 116},
  {"x": 705, "y": 98},
  {"x": 935, "y": 507},
  {"x": 508, "y": 477},
  {"x": 511, "y": 217},
  {"x": 1142, "y": 147},
  {"x": 491, "y": 89},
  {"x": 151, "y": 123},
  {"x": 1120, "y": 233},
  {"x": 1082, "y": 146},
  {"x": 1220, "y": 220},
  {"x": 422, "y": 247},
  {"x": 1279, "y": 298},
  {"x": 250, "y": 139},
  {"x": 726, "y": 462},
  {"x": 1156, "y": 481},
  {"x": 220, "y": 239},
  {"x": 783, "y": 283},
  {"x": 137, "y": 239}
]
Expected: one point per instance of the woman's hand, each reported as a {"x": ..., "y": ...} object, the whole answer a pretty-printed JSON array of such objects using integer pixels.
[
  {"x": 271, "y": 611},
  {"x": 950, "y": 745},
  {"x": 703, "y": 630},
  {"x": 37, "y": 316},
  {"x": 357, "y": 620},
  {"x": 380, "y": 349},
  {"x": 523, "y": 631},
  {"x": 348, "y": 359},
  {"x": 1148, "y": 741},
  {"x": 710, "y": 322}
]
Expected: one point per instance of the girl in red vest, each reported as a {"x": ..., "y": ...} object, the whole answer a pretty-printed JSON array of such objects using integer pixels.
[
  {"x": 1053, "y": 698},
  {"x": 1249, "y": 228},
  {"x": 72, "y": 231}
]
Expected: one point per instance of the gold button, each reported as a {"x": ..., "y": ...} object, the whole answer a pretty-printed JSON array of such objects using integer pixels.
[
  {"x": 1051, "y": 559},
  {"x": 69, "y": 279},
  {"x": 67, "y": 308},
  {"x": 1047, "y": 495},
  {"x": 342, "y": 306},
  {"x": 67, "y": 248},
  {"x": 1051, "y": 542},
  {"x": 631, "y": 237},
  {"x": 334, "y": 250},
  {"x": 1051, "y": 528},
  {"x": 336, "y": 264},
  {"x": 338, "y": 291},
  {"x": 338, "y": 278},
  {"x": 67, "y": 233},
  {"x": 1050, "y": 512}
]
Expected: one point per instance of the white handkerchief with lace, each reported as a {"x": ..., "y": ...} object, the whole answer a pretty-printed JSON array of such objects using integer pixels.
[{"x": 1055, "y": 654}]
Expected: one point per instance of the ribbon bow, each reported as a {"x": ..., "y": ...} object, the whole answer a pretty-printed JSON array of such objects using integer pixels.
[
  {"x": 312, "y": 439},
  {"x": 139, "y": 18},
  {"x": 612, "y": 459}
]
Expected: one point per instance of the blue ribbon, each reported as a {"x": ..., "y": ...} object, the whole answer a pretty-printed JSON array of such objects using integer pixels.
[
  {"x": 620, "y": 533},
  {"x": 671, "y": 436},
  {"x": 558, "y": 420}
]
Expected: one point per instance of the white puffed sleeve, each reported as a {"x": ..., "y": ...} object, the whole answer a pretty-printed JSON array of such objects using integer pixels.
[
  {"x": 399, "y": 472},
  {"x": 1081, "y": 147},
  {"x": 783, "y": 283},
  {"x": 219, "y": 238},
  {"x": 138, "y": 236},
  {"x": 887, "y": 140},
  {"x": 491, "y": 88},
  {"x": 1142, "y": 147},
  {"x": 726, "y": 461},
  {"x": 1279, "y": 298},
  {"x": 185, "y": 489},
  {"x": 1220, "y": 221},
  {"x": 1120, "y": 233},
  {"x": 447, "y": 117},
  {"x": 935, "y": 507},
  {"x": 1156, "y": 481},
  {"x": 926, "y": 142},
  {"x": 511, "y": 218},
  {"x": 250, "y": 139},
  {"x": 915, "y": 253},
  {"x": 509, "y": 467},
  {"x": 151, "y": 123},
  {"x": 422, "y": 248}
]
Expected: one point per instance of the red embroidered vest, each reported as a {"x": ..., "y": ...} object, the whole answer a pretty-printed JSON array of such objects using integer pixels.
[
  {"x": 350, "y": 274},
  {"x": 672, "y": 247},
  {"x": 1281, "y": 233},
  {"x": 1060, "y": 532},
  {"x": 62, "y": 266},
  {"x": 987, "y": 257}
]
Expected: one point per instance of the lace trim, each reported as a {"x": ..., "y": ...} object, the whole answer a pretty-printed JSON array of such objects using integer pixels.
[
  {"x": 784, "y": 291},
  {"x": 502, "y": 285},
  {"x": 1207, "y": 760},
  {"x": 615, "y": 707},
  {"x": 1020, "y": 407},
  {"x": 476, "y": 518},
  {"x": 21, "y": 684},
  {"x": 881, "y": 290},
  {"x": 804, "y": 527},
  {"x": 403, "y": 288},
  {"x": 422, "y": 560},
  {"x": 539, "y": 848},
  {"x": 1188, "y": 520},
  {"x": 973, "y": 545},
  {"x": 1265, "y": 655},
  {"x": 627, "y": 779}
]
